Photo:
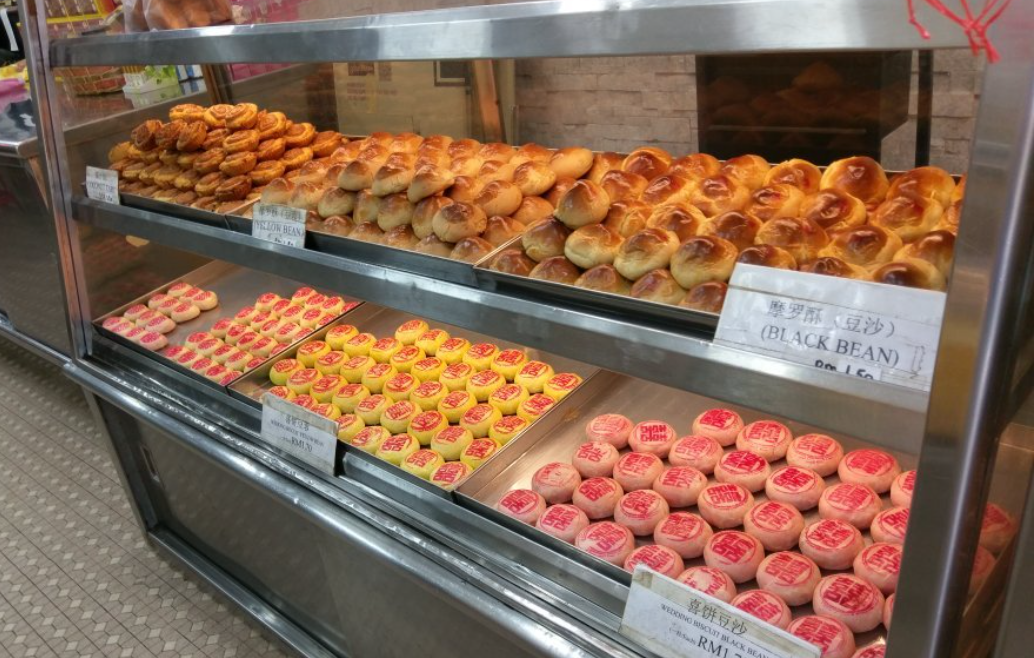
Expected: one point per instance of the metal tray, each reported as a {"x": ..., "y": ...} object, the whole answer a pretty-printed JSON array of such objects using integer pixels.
[{"x": 205, "y": 217}]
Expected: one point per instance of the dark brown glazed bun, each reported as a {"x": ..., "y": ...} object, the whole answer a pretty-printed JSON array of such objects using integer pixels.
[
  {"x": 800, "y": 173},
  {"x": 865, "y": 246},
  {"x": 910, "y": 217},
  {"x": 733, "y": 226},
  {"x": 471, "y": 250},
  {"x": 585, "y": 203},
  {"x": 936, "y": 248},
  {"x": 513, "y": 261},
  {"x": 702, "y": 259},
  {"x": 501, "y": 229},
  {"x": 767, "y": 256},
  {"x": 622, "y": 185},
  {"x": 803, "y": 238},
  {"x": 559, "y": 189},
  {"x": 604, "y": 278},
  {"x": 707, "y": 297},
  {"x": 433, "y": 246},
  {"x": 627, "y": 217},
  {"x": 833, "y": 210},
  {"x": 456, "y": 221},
  {"x": 829, "y": 266},
  {"x": 696, "y": 166},
  {"x": 424, "y": 212},
  {"x": 603, "y": 163},
  {"x": 779, "y": 200},
  {"x": 912, "y": 273},
  {"x": 533, "y": 210},
  {"x": 647, "y": 250},
  {"x": 924, "y": 183},
  {"x": 860, "y": 176},
  {"x": 557, "y": 269},
  {"x": 668, "y": 188},
  {"x": 592, "y": 245},
  {"x": 648, "y": 162},
  {"x": 681, "y": 219},
  {"x": 658, "y": 286},
  {"x": 545, "y": 240},
  {"x": 748, "y": 169},
  {"x": 719, "y": 194}
]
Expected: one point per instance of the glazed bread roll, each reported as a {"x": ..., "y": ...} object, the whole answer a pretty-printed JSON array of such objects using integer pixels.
[
  {"x": 367, "y": 206},
  {"x": 400, "y": 237},
  {"x": 910, "y": 217},
  {"x": 557, "y": 269},
  {"x": 668, "y": 188},
  {"x": 912, "y": 273},
  {"x": 602, "y": 163},
  {"x": 405, "y": 143},
  {"x": 734, "y": 226},
  {"x": 585, "y": 203},
  {"x": 592, "y": 245},
  {"x": 395, "y": 210},
  {"x": 532, "y": 152},
  {"x": 312, "y": 172},
  {"x": 534, "y": 178},
  {"x": 394, "y": 176},
  {"x": 278, "y": 191},
  {"x": 357, "y": 175},
  {"x": 647, "y": 250},
  {"x": 337, "y": 225},
  {"x": 647, "y": 161},
  {"x": 681, "y": 219},
  {"x": 305, "y": 195},
  {"x": 767, "y": 256},
  {"x": 802, "y": 238},
  {"x": 336, "y": 201},
  {"x": 464, "y": 189},
  {"x": 559, "y": 189},
  {"x": 779, "y": 200},
  {"x": 471, "y": 250},
  {"x": 702, "y": 259},
  {"x": 463, "y": 148},
  {"x": 495, "y": 170},
  {"x": 435, "y": 142},
  {"x": 456, "y": 221},
  {"x": 829, "y": 266},
  {"x": 424, "y": 213},
  {"x": 545, "y": 240},
  {"x": 658, "y": 286},
  {"x": 627, "y": 217},
  {"x": 501, "y": 229},
  {"x": 719, "y": 194},
  {"x": 497, "y": 151},
  {"x": 936, "y": 248},
  {"x": 432, "y": 157},
  {"x": 860, "y": 176},
  {"x": 378, "y": 138},
  {"x": 833, "y": 210},
  {"x": 429, "y": 180},
  {"x": 800, "y": 173},
  {"x": 950, "y": 219},
  {"x": 622, "y": 185},
  {"x": 924, "y": 183},
  {"x": 696, "y": 166},
  {"x": 604, "y": 278},
  {"x": 367, "y": 232},
  {"x": 533, "y": 210},
  {"x": 707, "y": 297},
  {"x": 865, "y": 246},
  {"x": 573, "y": 162},
  {"x": 513, "y": 261},
  {"x": 466, "y": 166},
  {"x": 747, "y": 169},
  {"x": 499, "y": 198},
  {"x": 432, "y": 246},
  {"x": 375, "y": 154}
]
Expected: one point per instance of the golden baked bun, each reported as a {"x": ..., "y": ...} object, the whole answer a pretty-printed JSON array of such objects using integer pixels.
[
  {"x": 456, "y": 221},
  {"x": 923, "y": 183},
  {"x": 494, "y": 170},
  {"x": 395, "y": 210},
  {"x": 432, "y": 246},
  {"x": 333, "y": 173},
  {"x": 557, "y": 269},
  {"x": 378, "y": 138},
  {"x": 647, "y": 161},
  {"x": 734, "y": 226},
  {"x": 534, "y": 178},
  {"x": 375, "y": 154},
  {"x": 313, "y": 172},
  {"x": 767, "y": 256},
  {"x": 432, "y": 157},
  {"x": 585, "y": 203},
  {"x": 394, "y": 176},
  {"x": 865, "y": 246},
  {"x": 747, "y": 169},
  {"x": 338, "y": 225},
  {"x": 658, "y": 286},
  {"x": 829, "y": 266},
  {"x": 627, "y": 217},
  {"x": 702, "y": 259},
  {"x": 604, "y": 278},
  {"x": 466, "y": 166},
  {"x": 545, "y": 240},
  {"x": 429, "y": 180},
  {"x": 367, "y": 205},
  {"x": 860, "y": 176},
  {"x": 533, "y": 210},
  {"x": 513, "y": 261},
  {"x": 696, "y": 166},
  {"x": 405, "y": 143},
  {"x": 497, "y": 151},
  {"x": 719, "y": 194},
  {"x": 833, "y": 210},
  {"x": 647, "y": 250},
  {"x": 912, "y": 273},
  {"x": 305, "y": 195},
  {"x": 559, "y": 189},
  {"x": 572, "y": 162},
  {"x": 400, "y": 237},
  {"x": 950, "y": 219},
  {"x": 668, "y": 188},
  {"x": 336, "y": 201},
  {"x": 592, "y": 245},
  {"x": 622, "y": 185},
  {"x": 435, "y": 142},
  {"x": 500, "y": 230},
  {"x": 471, "y": 250},
  {"x": 772, "y": 201},
  {"x": 960, "y": 190},
  {"x": 603, "y": 163},
  {"x": 348, "y": 152},
  {"x": 278, "y": 191},
  {"x": 936, "y": 248},
  {"x": 532, "y": 152},
  {"x": 367, "y": 232},
  {"x": 499, "y": 198},
  {"x": 911, "y": 218},
  {"x": 463, "y": 148},
  {"x": 464, "y": 189},
  {"x": 424, "y": 212},
  {"x": 707, "y": 297},
  {"x": 802, "y": 238},
  {"x": 357, "y": 175},
  {"x": 681, "y": 219},
  {"x": 800, "y": 173}
]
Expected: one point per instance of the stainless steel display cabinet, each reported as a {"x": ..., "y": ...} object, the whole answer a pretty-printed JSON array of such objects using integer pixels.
[{"x": 201, "y": 485}]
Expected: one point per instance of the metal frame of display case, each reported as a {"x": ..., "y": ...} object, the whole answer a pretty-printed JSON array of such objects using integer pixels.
[{"x": 982, "y": 367}]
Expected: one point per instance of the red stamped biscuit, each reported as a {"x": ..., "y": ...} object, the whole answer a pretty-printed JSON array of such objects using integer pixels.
[
  {"x": 223, "y": 325},
  {"x": 818, "y": 452},
  {"x": 797, "y": 486},
  {"x": 341, "y": 331},
  {"x": 311, "y": 316},
  {"x": 396, "y": 443},
  {"x": 385, "y": 344},
  {"x": 153, "y": 340},
  {"x": 407, "y": 353},
  {"x": 607, "y": 541},
  {"x": 286, "y": 332},
  {"x": 537, "y": 404},
  {"x": 641, "y": 511},
  {"x": 429, "y": 364},
  {"x": 609, "y": 428},
  {"x": 379, "y": 370},
  {"x": 368, "y": 404},
  {"x": 902, "y": 489},
  {"x": 236, "y": 331},
  {"x": 520, "y": 502},
  {"x": 653, "y": 436},
  {"x": 890, "y": 525},
  {"x": 292, "y": 313},
  {"x": 202, "y": 364},
  {"x": 556, "y": 482},
  {"x": 873, "y": 468},
  {"x": 509, "y": 424},
  {"x": 657, "y": 558},
  {"x": 736, "y": 553},
  {"x": 316, "y": 299},
  {"x": 507, "y": 393},
  {"x": 872, "y": 651},
  {"x": 480, "y": 449},
  {"x": 482, "y": 350},
  {"x": 331, "y": 359},
  {"x": 400, "y": 383},
  {"x": 857, "y": 504},
  {"x": 563, "y": 522},
  {"x": 173, "y": 351},
  {"x": 245, "y": 314},
  {"x": 767, "y": 438},
  {"x": 450, "y": 473},
  {"x": 477, "y": 414},
  {"x": 401, "y": 410},
  {"x": 267, "y": 298},
  {"x": 427, "y": 421},
  {"x": 428, "y": 389},
  {"x": 327, "y": 383},
  {"x": 857, "y": 603},
  {"x": 303, "y": 376},
  {"x": 306, "y": 401},
  {"x": 533, "y": 369},
  {"x": 726, "y": 496},
  {"x": 485, "y": 378},
  {"x": 831, "y": 543},
  {"x": 744, "y": 468},
  {"x": 281, "y": 306},
  {"x": 510, "y": 357},
  {"x": 286, "y": 365},
  {"x": 880, "y": 564},
  {"x": 565, "y": 381},
  {"x": 186, "y": 357},
  {"x": 597, "y": 488},
  {"x": 199, "y": 337},
  {"x": 776, "y": 525},
  {"x": 314, "y": 347},
  {"x": 710, "y": 581},
  {"x": 789, "y": 575},
  {"x": 230, "y": 377},
  {"x": 280, "y": 391},
  {"x": 722, "y": 425},
  {"x": 455, "y": 400},
  {"x": 831, "y": 636},
  {"x": 765, "y": 606},
  {"x": 303, "y": 293},
  {"x": 451, "y": 344}
]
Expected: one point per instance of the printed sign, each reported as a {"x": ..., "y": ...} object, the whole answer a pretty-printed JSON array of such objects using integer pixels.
[
  {"x": 102, "y": 185},
  {"x": 858, "y": 328},
  {"x": 299, "y": 432},
  {"x": 279, "y": 224},
  {"x": 675, "y": 621}
]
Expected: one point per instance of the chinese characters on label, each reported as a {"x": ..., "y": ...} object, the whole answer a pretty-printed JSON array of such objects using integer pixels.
[
  {"x": 102, "y": 185},
  {"x": 299, "y": 432},
  {"x": 280, "y": 224}
]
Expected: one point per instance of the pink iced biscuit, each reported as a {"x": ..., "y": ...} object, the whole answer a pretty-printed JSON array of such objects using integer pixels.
[
  {"x": 606, "y": 540},
  {"x": 598, "y": 497},
  {"x": 857, "y": 504},
  {"x": 722, "y": 425},
  {"x": 254, "y": 363},
  {"x": 161, "y": 324},
  {"x": 661, "y": 559},
  {"x": 123, "y": 328},
  {"x": 637, "y": 470},
  {"x": 196, "y": 338},
  {"x": 153, "y": 341},
  {"x": 556, "y": 482},
  {"x": 216, "y": 372},
  {"x": 202, "y": 364},
  {"x": 710, "y": 581},
  {"x": 983, "y": 563},
  {"x": 874, "y": 468},
  {"x": 888, "y": 611},
  {"x": 901, "y": 489},
  {"x": 797, "y": 486},
  {"x": 154, "y": 301},
  {"x": 736, "y": 553},
  {"x": 766, "y": 606},
  {"x": 818, "y": 452},
  {"x": 179, "y": 289},
  {"x": 696, "y": 451},
  {"x": 595, "y": 459},
  {"x": 146, "y": 317},
  {"x": 114, "y": 321},
  {"x": 724, "y": 505},
  {"x": 230, "y": 377},
  {"x": 680, "y": 485},
  {"x": 563, "y": 522},
  {"x": 871, "y": 651},
  {"x": 856, "y": 602},
  {"x": 768, "y": 438},
  {"x": 831, "y": 543},
  {"x": 187, "y": 358},
  {"x": 134, "y": 334},
  {"x": 685, "y": 533},
  {"x": 653, "y": 436},
  {"x": 791, "y": 576},
  {"x": 746, "y": 469},
  {"x": 522, "y": 504},
  {"x": 890, "y": 525},
  {"x": 279, "y": 307},
  {"x": 640, "y": 511},
  {"x": 997, "y": 528},
  {"x": 880, "y": 564},
  {"x": 172, "y": 352},
  {"x": 135, "y": 311},
  {"x": 831, "y": 636},
  {"x": 609, "y": 428},
  {"x": 776, "y": 525}
]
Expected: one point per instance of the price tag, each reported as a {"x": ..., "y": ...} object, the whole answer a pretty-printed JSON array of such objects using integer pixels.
[
  {"x": 675, "y": 621},
  {"x": 299, "y": 432},
  {"x": 102, "y": 185},
  {"x": 858, "y": 328},
  {"x": 279, "y": 224}
]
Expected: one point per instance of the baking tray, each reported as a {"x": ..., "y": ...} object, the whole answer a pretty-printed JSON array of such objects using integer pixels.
[{"x": 189, "y": 213}]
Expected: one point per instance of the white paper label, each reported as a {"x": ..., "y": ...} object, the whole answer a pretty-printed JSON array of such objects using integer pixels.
[
  {"x": 279, "y": 224},
  {"x": 299, "y": 432},
  {"x": 858, "y": 328},
  {"x": 102, "y": 185},
  {"x": 675, "y": 621}
]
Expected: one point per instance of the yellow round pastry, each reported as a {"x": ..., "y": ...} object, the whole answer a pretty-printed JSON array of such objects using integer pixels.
[
  {"x": 259, "y": 320},
  {"x": 359, "y": 344},
  {"x": 509, "y": 362},
  {"x": 324, "y": 388},
  {"x": 331, "y": 362},
  {"x": 533, "y": 408},
  {"x": 395, "y": 449},
  {"x": 302, "y": 294},
  {"x": 422, "y": 463},
  {"x": 292, "y": 314},
  {"x": 480, "y": 355},
  {"x": 479, "y": 419},
  {"x": 455, "y": 377},
  {"x": 348, "y": 425},
  {"x": 305, "y": 400},
  {"x": 310, "y": 351},
  {"x": 397, "y": 417},
  {"x": 301, "y": 381},
  {"x": 369, "y": 439},
  {"x": 327, "y": 410},
  {"x": 310, "y": 318},
  {"x": 426, "y": 425},
  {"x": 409, "y": 332},
  {"x": 239, "y": 359},
  {"x": 507, "y": 398},
  {"x": 333, "y": 305},
  {"x": 400, "y": 387},
  {"x": 377, "y": 375},
  {"x": 289, "y": 332},
  {"x": 451, "y": 441},
  {"x": 384, "y": 349},
  {"x": 478, "y": 452},
  {"x": 483, "y": 384},
  {"x": 452, "y": 350},
  {"x": 337, "y": 336},
  {"x": 282, "y": 392},
  {"x": 428, "y": 395},
  {"x": 406, "y": 357},
  {"x": 314, "y": 301},
  {"x": 505, "y": 429},
  {"x": 354, "y": 368},
  {"x": 266, "y": 301},
  {"x": 560, "y": 385},
  {"x": 348, "y": 397},
  {"x": 533, "y": 376},
  {"x": 370, "y": 409},
  {"x": 449, "y": 475},
  {"x": 431, "y": 340},
  {"x": 429, "y": 369},
  {"x": 455, "y": 404},
  {"x": 270, "y": 328}
]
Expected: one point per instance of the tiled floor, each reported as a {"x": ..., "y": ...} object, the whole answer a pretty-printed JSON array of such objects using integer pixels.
[{"x": 76, "y": 578}]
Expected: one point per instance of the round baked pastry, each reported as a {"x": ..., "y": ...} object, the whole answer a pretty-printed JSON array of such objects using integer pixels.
[
  {"x": 627, "y": 217},
  {"x": 400, "y": 237},
  {"x": 240, "y": 141},
  {"x": 206, "y": 184},
  {"x": 911, "y": 273},
  {"x": 910, "y": 217},
  {"x": 191, "y": 136},
  {"x": 145, "y": 136},
  {"x": 734, "y": 226},
  {"x": 622, "y": 185},
  {"x": 658, "y": 286},
  {"x": 497, "y": 151},
  {"x": 831, "y": 636},
  {"x": 466, "y": 166},
  {"x": 368, "y": 232},
  {"x": 278, "y": 191},
  {"x": 748, "y": 169},
  {"x": 668, "y": 188},
  {"x": 394, "y": 210},
  {"x": 313, "y": 172},
  {"x": 233, "y": 189},
  {"x": 860, "y": 176},
  {"x": 150, "y": 157},
  {"x": 463, "y": 148},
  {"x": 187, "y": 112},
  {"x": 493, "y": 170},
  {"x": 271, "y": 125},
  {"x": 305, "y": 195},
  {"x": 238, "y": 164},
  {"x": 767, "y": 256},
  {"x": 696, "y": 166},
  {"x": 833, "y": 210},
  {"x": 648, "y": 162},
  {"x": 215, "y": 116},
  {"x": 950, "y": 219},
  {"x": 367, "y": 206},
  {"x": 779, "y": 200},
  {"x": 242, "y": 117},
  {"x": 499, "y": 230},
  {"x": 214, "y": 138},
  {"x": 801, "y": 238},
  {"x": 325, "y": 143},
  {"x": 209, "y": 161},
  {"x": 429, "y": 180},
  {"x": 557, "y": 269},
  {"x": 719, "y": 194},
  {"x": 682, "y": 220},
  {"x": 336, "y": 201},
  {"x": 533, "y": 210},
  {"x": 434, "y": 246},
  {"x": 799, "y": 173},
  {"x": 471, "y": 250},
  {"x": 534, "y": 178},
  {"x": 545, "y": 240},
  {"x": 573, "y": 162},
  {"x": 465, "y": 189},
  {"x": 394, "y": 175},
  {"x": 165, "y": 176},
  {"x": 300, "y": 134},
  {"x": 499, "y": 198},
  {"x": 706, "y": 297},
  {"x": 931, "y": 183},
  {"x": 560, "y": 188},
  {"x": 936, "y": 248},
  {"x": 702, "y": 259},
  {"x": 830, "y": 266},
  {"x": 266, "y": 172},
  {"x": 532, "y": 152},
  {"x": 647, "y": 250},
  {"x": 583, "y": 204},
  {"x": 296, "y": 158},
  {"x": 592, "y": 245},
  {"x": 456, "y": 221},
  {"x": 513, "y": 261},
  {"x": 604, "y": 278},
  {"x": 865, "y": 246},
  {"x": 423, "y": 215}
]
